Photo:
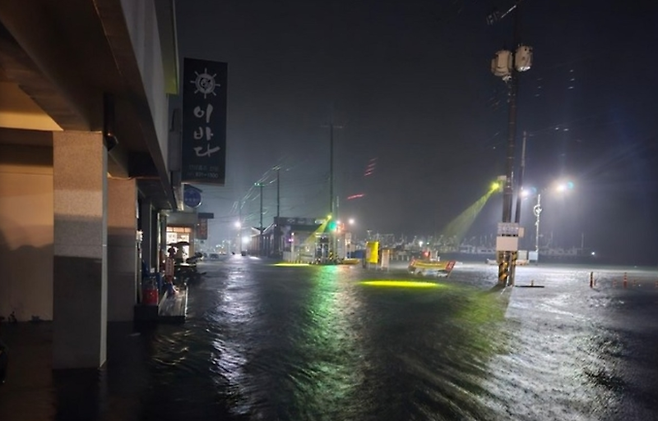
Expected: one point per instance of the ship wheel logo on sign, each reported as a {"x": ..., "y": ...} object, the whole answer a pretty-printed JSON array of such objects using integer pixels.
[{"x": 205, "y": 83}]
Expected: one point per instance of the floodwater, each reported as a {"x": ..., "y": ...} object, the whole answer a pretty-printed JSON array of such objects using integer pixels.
[{"x": 265, "y": 342}]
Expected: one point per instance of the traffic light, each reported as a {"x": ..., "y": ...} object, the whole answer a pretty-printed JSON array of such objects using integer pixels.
[{"x": 332, "y": 225}]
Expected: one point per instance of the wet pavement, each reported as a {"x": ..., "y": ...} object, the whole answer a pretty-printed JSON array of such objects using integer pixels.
[{"x": 265, "y": 342}]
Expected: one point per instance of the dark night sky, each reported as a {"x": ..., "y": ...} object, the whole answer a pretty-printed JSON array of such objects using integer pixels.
[{"x": 409, "y": 83}]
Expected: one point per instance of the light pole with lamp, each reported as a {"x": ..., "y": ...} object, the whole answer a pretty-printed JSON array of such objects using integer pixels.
[
  {"x": 350, "y": 240},
  {"x": 347, "y": 239},
  {"x": 537, "y": 210},
  {"x": 238, "y": 243}
]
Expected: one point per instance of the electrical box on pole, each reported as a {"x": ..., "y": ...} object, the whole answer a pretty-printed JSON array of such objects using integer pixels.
[
  {"x": 501, "y": 64},
  {"x": 523, "y": 58},
  {"x": 508, "y": 236}
]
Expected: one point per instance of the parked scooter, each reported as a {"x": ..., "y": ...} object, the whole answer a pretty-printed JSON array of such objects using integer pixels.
[
  {"x": 187, "y": 272},
  {"x": 198, "y": 256}
]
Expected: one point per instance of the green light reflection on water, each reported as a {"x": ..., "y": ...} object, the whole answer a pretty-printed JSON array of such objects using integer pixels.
[
  {"x": 348, "y": 332},
  {"x": 333, "y": 369}
]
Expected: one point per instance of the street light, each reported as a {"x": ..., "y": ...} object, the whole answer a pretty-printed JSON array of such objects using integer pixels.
[
  {"x": 238, "y": 226},
  {"x": 536, "y": 210},
  {"x": 349, "y": 238},
  {"x": 563, "y": 186},
  {"x": 559, "y": 187}
]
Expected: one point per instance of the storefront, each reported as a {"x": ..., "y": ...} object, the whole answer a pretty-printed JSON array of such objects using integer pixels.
[{"x": 181, "y": 232}]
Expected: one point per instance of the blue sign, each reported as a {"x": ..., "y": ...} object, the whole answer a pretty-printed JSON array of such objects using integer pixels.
[{"x": 191, "y": 196}]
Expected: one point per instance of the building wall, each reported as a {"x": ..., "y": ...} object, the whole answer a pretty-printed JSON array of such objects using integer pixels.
[
  {"x": 26, "y": 234},
  {"x": 142, "y": 24}
]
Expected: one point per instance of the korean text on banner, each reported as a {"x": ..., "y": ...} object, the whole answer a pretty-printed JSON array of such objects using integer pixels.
[{"x": 204, "y": 121}]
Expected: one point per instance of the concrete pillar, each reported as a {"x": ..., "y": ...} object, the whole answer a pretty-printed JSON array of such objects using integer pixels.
[
  {"x": 123, "y": 264},
  {"x": 80, "y": 250}
]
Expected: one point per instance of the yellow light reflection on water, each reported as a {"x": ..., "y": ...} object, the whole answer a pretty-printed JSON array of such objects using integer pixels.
[
  {"x": 401, "y": 284},
  {"x": 285, "y": 264}
]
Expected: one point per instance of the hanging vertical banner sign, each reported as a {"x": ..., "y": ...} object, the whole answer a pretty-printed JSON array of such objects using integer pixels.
[
  {"x": 202, "y": 229},
  {"x": 204, "y": 121}
]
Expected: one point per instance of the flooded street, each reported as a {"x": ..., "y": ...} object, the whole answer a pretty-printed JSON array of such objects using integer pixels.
[{"x": 265, "y": 342}]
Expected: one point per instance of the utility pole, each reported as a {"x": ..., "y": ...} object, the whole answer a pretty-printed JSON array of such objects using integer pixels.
[
  {"x": 331, "y": 169},
  {"x": 332, "y": 235},
  {"x": 260, "y": 224},
  {"x": 513, "y": 82},
  {"x": 277, "y": 234},
  {"x": 278, "y": 193},
  {"x": 240, "y": 225},
  {"x": 517, "y": 218},
  {"x": 332, "y": 207},
  {"x": 507, "y": 64},
  {"x": 332, "y": 128}
]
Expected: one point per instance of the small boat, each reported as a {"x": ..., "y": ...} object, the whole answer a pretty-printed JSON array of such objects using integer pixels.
[{"x": 440, "y": 268}]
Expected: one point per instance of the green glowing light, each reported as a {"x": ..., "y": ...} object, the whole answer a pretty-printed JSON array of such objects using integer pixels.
[{"x": 401, "y": 284}]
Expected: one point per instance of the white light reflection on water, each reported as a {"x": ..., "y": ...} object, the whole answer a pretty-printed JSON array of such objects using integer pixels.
[
  {"x": 231, "y": 321},
  {"x": 571, "y": 354}
]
